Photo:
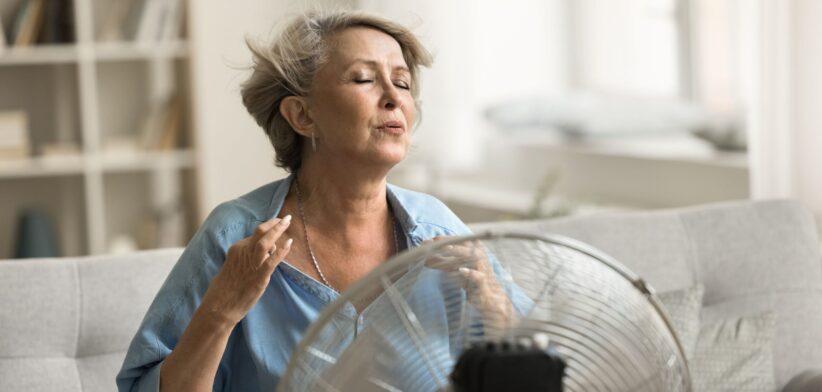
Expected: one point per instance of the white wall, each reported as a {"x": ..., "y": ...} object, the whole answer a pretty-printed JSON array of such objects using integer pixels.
[{"x": 233, "y": 155}]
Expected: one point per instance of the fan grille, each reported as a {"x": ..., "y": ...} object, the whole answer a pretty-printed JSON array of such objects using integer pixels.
[{"x": 403, "y": 326}]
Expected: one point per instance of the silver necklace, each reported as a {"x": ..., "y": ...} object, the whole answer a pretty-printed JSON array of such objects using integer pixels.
[{"x": 308, "y": 243}]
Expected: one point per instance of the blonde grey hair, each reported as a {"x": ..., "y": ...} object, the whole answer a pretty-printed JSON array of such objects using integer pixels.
[{"x": 287, "y": 67}]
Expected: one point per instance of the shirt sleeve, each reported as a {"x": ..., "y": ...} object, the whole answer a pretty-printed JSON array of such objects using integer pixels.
[
  {"x": 149, "y": 381},
  {"x": 172, "y": 310}
]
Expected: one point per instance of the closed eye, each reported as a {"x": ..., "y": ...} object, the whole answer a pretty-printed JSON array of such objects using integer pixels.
[
  {"x": 402, "y": 84},
  {"x": 362, "y": 81}
]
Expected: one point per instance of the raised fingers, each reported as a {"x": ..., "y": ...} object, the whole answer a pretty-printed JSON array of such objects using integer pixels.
[
  {"x": 446, "y": 262},
  {"x": 452, "y": 257},
  {"x": 266, "y": 245},
  {"x": 276, "y": 257},
  {"x": 471, "y": 279},
  {"x": 263, "y": 228}
]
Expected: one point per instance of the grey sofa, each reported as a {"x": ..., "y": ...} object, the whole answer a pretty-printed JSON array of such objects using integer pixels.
[{"x": 66, "y": 323}]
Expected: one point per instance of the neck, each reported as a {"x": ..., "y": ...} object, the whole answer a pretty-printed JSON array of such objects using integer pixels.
[{"x": 342, "y": 197}]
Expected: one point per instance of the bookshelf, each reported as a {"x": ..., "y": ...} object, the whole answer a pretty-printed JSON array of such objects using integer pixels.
[{"x": 105, "y": 85}]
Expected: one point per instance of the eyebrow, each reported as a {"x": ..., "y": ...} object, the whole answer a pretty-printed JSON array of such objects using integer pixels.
[{"x": 375, "y": 63}]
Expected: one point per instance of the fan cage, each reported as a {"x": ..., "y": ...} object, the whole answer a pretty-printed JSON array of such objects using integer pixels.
[{"x": 402, "y": 327}]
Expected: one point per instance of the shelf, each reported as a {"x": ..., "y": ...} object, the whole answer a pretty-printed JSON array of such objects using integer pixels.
[
  {"x": 39, "y": 54},
  {"x": 106, "y": 51},
  {"x": 87, "y": 93},
  {"x": 110, "y": 162},
  {"x": 118, "y": 51},
  {"x": 125, "y": 161},
  {"x": 42, "y": 167}
]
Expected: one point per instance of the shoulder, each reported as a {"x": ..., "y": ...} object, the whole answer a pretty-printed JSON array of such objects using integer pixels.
[
  {"x": 428, "y": 212},
  {"x": 235, "y": 219}
]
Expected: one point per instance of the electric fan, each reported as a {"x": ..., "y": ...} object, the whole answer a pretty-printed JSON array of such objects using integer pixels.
[{"x": 507, "y": 309}]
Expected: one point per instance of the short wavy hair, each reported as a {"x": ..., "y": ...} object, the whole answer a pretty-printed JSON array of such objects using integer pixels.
[{"x": 287, "y": 67}]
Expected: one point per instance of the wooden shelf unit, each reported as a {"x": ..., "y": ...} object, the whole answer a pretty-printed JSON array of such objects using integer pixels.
[{"x": 82, "y": 93}]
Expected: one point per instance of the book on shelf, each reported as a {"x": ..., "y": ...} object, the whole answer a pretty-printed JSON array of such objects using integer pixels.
[
  {"x": 60, "y": 150},
  {"x": 14, "y": 135},
  {"x": 155, "y": 20},
  {"x": 160, "y": 129},
  {"x": 114, "y": 25},
  {"x": 142, "y": 21},
  {"x": 42, "y": 22},
  {"x": 171, "y": 128},
  {"x": 172, "y": 19},
  {"x": 28, "y": 22},
  {"x": 119, "y": 144},
  {"x": 17, "y": 21},
  {"x": 132, "y": 18},
  {"x": 164, "y": 227},
  {"x": 149, "y": 27},
  {"x": 11, "y": 154},
  {"x": 171, "y": 225},
  {"x": 3, "y": 42},
  {"x": 58, "y": 22}
]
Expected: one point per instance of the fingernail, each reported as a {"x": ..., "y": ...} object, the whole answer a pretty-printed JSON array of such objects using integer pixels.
[
  {"x": 286, "y": 220},
  {"x": 464, "y": 270},
  {"x": 288, "y": 243}
]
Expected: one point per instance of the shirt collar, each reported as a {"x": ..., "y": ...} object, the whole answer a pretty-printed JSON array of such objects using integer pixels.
[
  {"x": 278, "y": 198},
  {"x": 398, "y": 205}
]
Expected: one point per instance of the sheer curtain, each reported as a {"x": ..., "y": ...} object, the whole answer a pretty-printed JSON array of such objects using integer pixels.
[{"x": 786, "y": 120}]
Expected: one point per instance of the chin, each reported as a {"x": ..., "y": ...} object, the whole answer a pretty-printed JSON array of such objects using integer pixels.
[
  {"x": 393, "y": 159},
  {"x": 390, "y": 159},
  {"x": 392, "y": 152}
]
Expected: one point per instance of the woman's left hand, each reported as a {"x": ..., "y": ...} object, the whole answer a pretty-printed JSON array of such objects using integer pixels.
[{"x": 469, "y": 264}]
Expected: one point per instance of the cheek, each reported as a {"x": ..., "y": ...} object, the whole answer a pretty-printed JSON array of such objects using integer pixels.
[
  {"x": 411, "y": 114},
  {"x": 410, "y": 111},
  {"x": 343, "y": 110},
  {"x": 355, "y": 106}
]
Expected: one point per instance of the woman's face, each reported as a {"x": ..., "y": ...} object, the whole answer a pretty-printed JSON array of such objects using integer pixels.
[{"x": 361, "y": 101}]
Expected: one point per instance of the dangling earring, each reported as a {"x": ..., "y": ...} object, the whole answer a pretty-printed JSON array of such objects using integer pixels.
[{"x": 313, "y": 143}]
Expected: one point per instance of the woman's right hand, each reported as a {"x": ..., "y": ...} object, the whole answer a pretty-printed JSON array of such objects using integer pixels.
[{"x": 246, "y": 272}]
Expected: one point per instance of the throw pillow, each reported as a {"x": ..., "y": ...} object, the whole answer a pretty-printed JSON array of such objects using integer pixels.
[
  {"x": 735, "y": 355},
  {"x": 683, "y": 308}
]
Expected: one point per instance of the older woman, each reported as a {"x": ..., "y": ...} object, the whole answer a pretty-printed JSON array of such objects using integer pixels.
[{"x": 336, "y": 96}]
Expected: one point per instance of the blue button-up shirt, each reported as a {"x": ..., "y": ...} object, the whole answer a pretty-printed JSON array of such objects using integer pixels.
[{"x": 260, "y": 346}]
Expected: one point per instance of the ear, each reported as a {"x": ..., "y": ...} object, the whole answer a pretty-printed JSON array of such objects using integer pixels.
[{"x": 295, "y": 110}]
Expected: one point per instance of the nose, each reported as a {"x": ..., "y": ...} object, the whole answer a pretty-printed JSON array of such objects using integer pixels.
[
  {"x": 389, "y": 104},
  {"x": 391, "y": 98}
]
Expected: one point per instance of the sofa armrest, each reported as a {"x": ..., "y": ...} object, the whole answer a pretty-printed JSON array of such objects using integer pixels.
[{"x": 807, "y": 381}]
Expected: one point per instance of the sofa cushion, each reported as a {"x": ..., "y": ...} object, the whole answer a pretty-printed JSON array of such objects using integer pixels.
[
  {"x": 116, "y": 292},
  {"x": 35, "y": 374},
  {"x": 735, "y": 355},
  {"x": 749, "y": 256},
  {"x": 651, "y": 244},
  {"x": 95, "y": 371},
  {"x": 40, "y": 306},
  {"x": 683, "y": 308},
  {"x": 67, "y": 322}
]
